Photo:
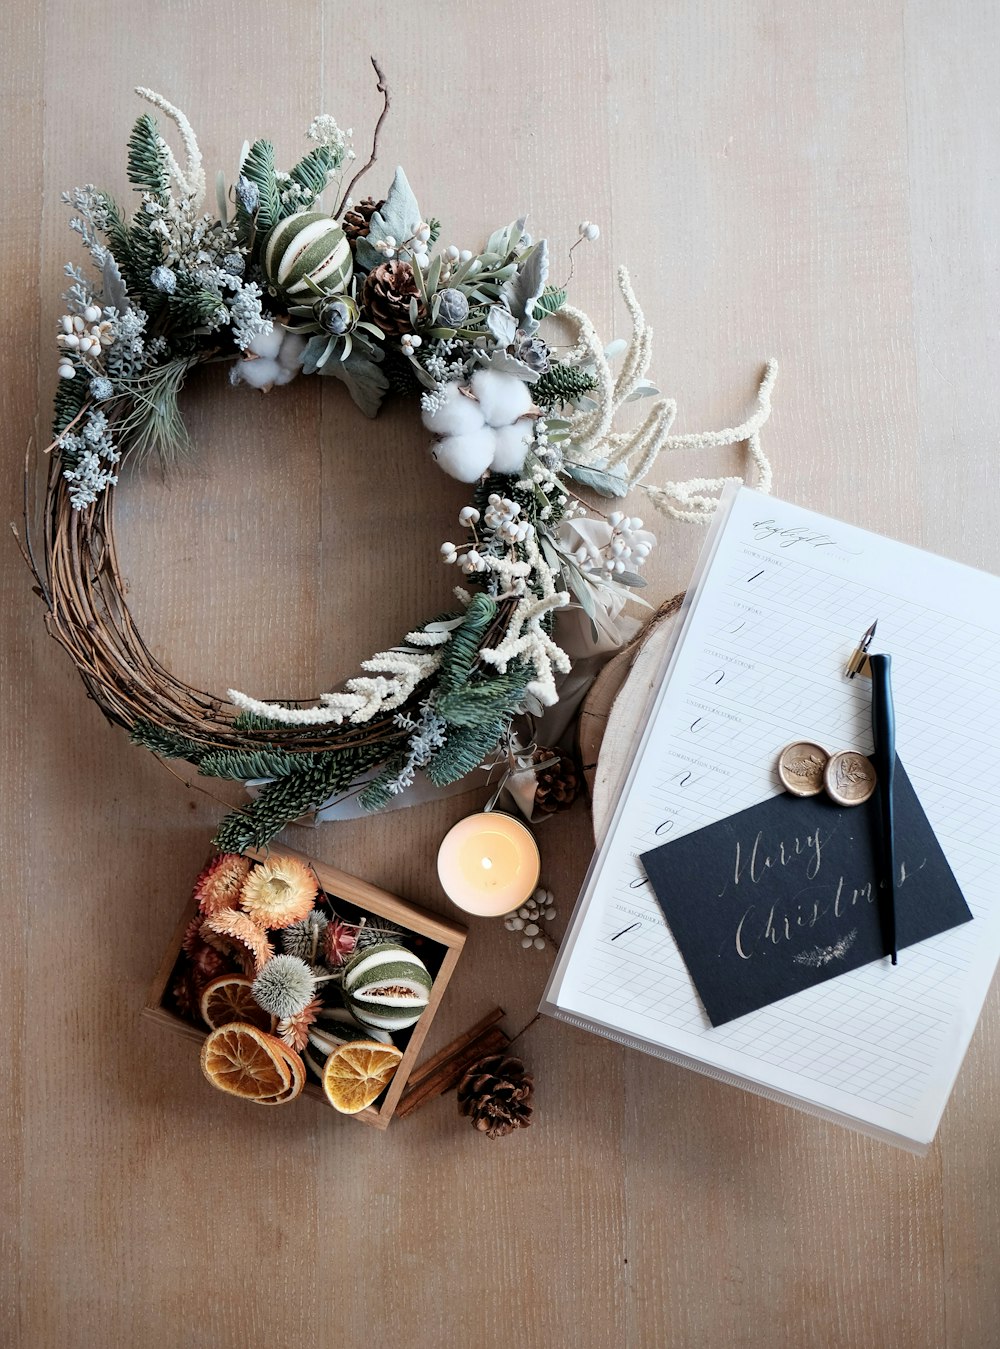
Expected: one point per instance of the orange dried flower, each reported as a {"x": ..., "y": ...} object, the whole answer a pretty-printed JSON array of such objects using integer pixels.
[
  {"x": 219, "y": 884},
  {"x": 279, "y": 892},
  {"x": 250, "y": 939},
  {"x": 294, "y": 1030}
]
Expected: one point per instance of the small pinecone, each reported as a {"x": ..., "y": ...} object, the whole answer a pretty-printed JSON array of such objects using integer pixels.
[
  {"x": 357, "y": 221},
  {"x": 497, "y": 1094},
  {"x": 387, "y": 293},
  {"x": 399, "y": 372},
  {"x": 558, "y": 785}
]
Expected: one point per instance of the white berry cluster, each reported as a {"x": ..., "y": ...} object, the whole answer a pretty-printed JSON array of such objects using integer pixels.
[
  {"x": 416, "y": 245},
  {"x": 619, "y": 545},
  {"x": 538, "y": 909},
  {"x": 502, "y": 517},
  {"x": 85, "y": 334}
]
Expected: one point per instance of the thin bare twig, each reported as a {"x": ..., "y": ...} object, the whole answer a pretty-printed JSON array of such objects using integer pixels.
[{"x": 383, "y": 89}]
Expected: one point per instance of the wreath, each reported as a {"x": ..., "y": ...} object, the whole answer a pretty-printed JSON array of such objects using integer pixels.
[{"x": 277, "y": 287}]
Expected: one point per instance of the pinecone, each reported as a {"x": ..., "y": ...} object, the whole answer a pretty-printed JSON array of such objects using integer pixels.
[
  {"x": 357, "y": 221},
  {"x": 558, "y": 785},
  {"x": 497, "y": 1093},
  {"x": 387, "y": 293}
]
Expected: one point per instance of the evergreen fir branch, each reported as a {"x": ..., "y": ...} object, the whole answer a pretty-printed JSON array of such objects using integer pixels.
[
  {"x": 147, "y": 162},
  {"x": 242, "y": 764},
  {"x": 192, "y": 306},
  {"x": 550, "y": 301},
  {"x": 562, "y": 384},
  {"x": 313, "y": 172},
  {"x": 258, "y": 167},
  {"x": 459, "y": 654},
  {"x": 283, "y": 801},
  {"x": 167, "y": 744},
  {"x": 465, "y": 749},
  {"x": 376, "y": 795},
  {"x": 71, "y": 394},
  {"x": 251, "y": 721},
  {"x": 484, "y": 701}
]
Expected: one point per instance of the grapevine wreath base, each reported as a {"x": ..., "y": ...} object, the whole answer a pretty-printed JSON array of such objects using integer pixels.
[{"x": 277, "y": 287}]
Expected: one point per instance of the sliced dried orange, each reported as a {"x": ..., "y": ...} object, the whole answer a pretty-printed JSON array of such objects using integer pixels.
[
  {"x": 298, "y": 1071},
  {"x": 228, "y": 998},
  {"x": 246, "y": 1062},
  {"x": 357, "y": 1073}
]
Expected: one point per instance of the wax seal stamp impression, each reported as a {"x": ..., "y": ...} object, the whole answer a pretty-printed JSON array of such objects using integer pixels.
[
  {"x": 849, "y": 778},
  {"x": 800, "y": 767}
]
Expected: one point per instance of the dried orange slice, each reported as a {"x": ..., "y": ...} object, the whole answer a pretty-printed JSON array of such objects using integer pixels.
[
  {"x": 357, "y": 1073},
  {"x": 246, "y": 1062},
  {"x": 228, "y": 998},
  {"x": 298, "y": 1071}
]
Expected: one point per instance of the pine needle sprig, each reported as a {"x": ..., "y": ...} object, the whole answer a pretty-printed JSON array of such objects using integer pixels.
[
  {"x": 313, "y": 172},
  {"x": 147, "y": 161},
  {"x": 258, "y": 167}
]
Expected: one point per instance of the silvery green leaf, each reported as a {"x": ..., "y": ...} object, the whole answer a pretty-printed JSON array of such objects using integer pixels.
[
  {"x": 398, "y": 215},
  {"x": 605, "y": 482},
  {"x": 428, "y": 381},
  {"x": 502, "y": 324},
  {"x": 114, "y": 292},
  {"x": 615, "y": 348},
  {"x": 507, "y": 365},
  {"x": 434, "y": 274},
  {"x": 644, "y": 389},
  {"x": 220, "y": 197},
  {"x": 315, "y": 353},
  {"x": 581, "y": 588},
  {"x": 502, "y": 240},
  {"x": 414, "y": 311},
  {"x": 365, "y": 381},
  {"x": 631, "y": 579},
  {"x": 523, "y": 289}
]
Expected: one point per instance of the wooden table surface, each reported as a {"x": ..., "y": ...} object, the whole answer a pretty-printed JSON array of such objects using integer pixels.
[{"x": 815, "y": 182}]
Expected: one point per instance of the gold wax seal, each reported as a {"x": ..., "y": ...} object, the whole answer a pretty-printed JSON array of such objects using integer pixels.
[
  {"x": 849, "y": 778},
  {"x": 800, "y": 767}
]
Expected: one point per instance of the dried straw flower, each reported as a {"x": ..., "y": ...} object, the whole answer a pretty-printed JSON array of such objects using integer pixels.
[
  {"x": 251, "y": 941},
  {"x": 279, "y": 892},
  {"x": 219, "y": 884},
  {"x": 284, "y": 987},
  {"x": 339, "y": 941},
  {"x": 294, "y": 1030},
  {"x": 305, "y": 938}
]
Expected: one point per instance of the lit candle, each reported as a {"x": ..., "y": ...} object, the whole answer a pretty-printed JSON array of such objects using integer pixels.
[{"x": 488, "y": 864}]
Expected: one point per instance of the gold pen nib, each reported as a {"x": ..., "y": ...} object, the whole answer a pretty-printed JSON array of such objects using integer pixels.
[{"x": 858, "y": 664}]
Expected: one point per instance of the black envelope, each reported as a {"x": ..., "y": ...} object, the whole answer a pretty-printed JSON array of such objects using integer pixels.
[{"x": 784, "y": 895}]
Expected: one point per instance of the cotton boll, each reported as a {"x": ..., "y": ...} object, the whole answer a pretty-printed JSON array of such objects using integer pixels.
[
  {"x": 466, "y": 457},
  {"x": 268, "y": 344},
  {"x": 260, "y": 374},
  {"x": 285, "y": 374},
  {"x": 290, "y": 356},
  {"x": 455, "y": 415},
  {"x": 512, "y": 444},
  {"x": 503, "y": 398}
]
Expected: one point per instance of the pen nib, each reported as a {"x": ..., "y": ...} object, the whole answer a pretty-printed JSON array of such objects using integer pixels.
[{"x": 859, "y": 657}]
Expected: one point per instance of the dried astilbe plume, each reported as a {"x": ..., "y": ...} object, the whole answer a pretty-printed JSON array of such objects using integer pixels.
[
  {"x": 251, "y": 941},
  {"x": 219, "y": 884},
  {"x": 294, "y": 1030},
  {"x": 285, "y": 987},
  {"x": 279, "y": 892}
]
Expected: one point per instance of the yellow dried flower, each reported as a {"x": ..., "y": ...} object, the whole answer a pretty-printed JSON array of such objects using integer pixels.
[{"x": 279, "y": 892}]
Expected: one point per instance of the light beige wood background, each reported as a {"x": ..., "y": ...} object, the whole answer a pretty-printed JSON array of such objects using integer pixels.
[{"x": 816, "y": 182}]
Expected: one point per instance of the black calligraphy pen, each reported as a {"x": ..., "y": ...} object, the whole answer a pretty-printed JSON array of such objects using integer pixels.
[{"x": 879, "y": 669}]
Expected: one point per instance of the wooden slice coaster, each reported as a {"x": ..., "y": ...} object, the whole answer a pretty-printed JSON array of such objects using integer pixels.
[{"x": 613, "y": 712}]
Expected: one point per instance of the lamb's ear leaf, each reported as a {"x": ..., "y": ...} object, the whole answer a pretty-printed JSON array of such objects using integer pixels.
[{"x": 365, "y": 382}]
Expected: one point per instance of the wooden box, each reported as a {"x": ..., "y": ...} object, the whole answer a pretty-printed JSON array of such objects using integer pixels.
[{"x": 440, "y": 948}]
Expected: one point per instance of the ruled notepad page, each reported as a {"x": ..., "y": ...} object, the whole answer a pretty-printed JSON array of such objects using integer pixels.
[{"x": 780, "y": 599}]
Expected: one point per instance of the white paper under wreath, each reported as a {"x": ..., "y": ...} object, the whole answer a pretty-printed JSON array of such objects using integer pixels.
[{"x": 278, "y": 286}]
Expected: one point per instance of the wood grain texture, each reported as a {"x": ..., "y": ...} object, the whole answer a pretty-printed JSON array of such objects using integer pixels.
[{"x": 817, "y": 183}]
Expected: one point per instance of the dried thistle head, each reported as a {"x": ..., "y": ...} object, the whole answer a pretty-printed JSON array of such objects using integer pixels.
[
  {"x": 305, "y": 938},
  {"x": 219, "y": 884},
  {"x": 279, "y": 892},
  {"x": 284, "y": 987}
]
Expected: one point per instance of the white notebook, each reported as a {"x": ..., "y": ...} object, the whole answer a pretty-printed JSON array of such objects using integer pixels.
[{"x": 779, "y": 599}]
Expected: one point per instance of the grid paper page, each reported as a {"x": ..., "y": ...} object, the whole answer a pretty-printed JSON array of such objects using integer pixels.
[{"x": 781, "y": 598}]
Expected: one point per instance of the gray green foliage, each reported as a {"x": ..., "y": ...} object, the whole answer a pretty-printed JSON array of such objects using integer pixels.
[
  {"x": 313, "y": 170},
  {"x": 258, "y": 167},
  {"x": 563, "y": 384}
]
